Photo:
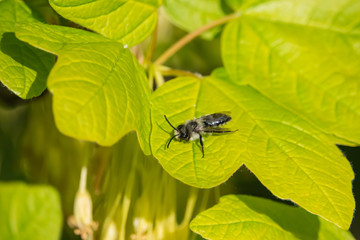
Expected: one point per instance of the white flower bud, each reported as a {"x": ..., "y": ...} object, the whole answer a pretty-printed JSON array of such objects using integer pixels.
[{"x": 82, "y": 220}]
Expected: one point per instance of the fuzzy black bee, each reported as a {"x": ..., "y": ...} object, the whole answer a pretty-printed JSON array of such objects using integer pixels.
[{"x": 193, "y": 129}]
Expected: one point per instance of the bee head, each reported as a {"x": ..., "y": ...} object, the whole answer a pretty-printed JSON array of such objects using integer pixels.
[{"x": 180, "y": 132}]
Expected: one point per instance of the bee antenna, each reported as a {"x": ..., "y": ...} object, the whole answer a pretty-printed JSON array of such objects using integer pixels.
[
  {"x": 171, "y": 140},
  {"x": 169, "y": 122}
]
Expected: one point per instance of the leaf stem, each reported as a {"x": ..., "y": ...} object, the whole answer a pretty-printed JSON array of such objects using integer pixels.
[
  {"x": 159, "y": 79},
  {"x": 151, "y": 77},
  {"x": 187, "y": 38},
  {"x": 151, "y": 49},
  {"x": 169, "y": 72}
]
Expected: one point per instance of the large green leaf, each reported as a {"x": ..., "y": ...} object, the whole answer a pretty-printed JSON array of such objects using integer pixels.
[
  {"x": 190, "y": 15},
  {"x": 12, "y": 12},
  {"x": 127, "y": 21},
  {"x": 244, "y": 217},
  {"x": 23, "y": 68},
  {"x": 29, "y": 212},
  {"x": 289, "y": 156},
  {"x": 54, "y": 39},
  {"x": 100, "y": 90},
  {"x": 303, "y": 54},
  {"x": 183, "y": 99}
]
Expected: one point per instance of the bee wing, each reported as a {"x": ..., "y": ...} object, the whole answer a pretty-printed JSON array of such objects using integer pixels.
[
  {"x": 228, "y": 113},
  {"x": 214, "y": 120}
]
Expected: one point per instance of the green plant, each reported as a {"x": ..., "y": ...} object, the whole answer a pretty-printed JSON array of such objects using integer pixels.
[{"x": 290, "y": 80}]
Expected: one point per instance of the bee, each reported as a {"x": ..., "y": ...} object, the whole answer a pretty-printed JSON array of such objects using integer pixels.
[{"x": 194, "y": 129}]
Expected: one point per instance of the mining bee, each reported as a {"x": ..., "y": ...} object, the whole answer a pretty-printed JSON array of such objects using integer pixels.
[{"x": 193, "y": 129}]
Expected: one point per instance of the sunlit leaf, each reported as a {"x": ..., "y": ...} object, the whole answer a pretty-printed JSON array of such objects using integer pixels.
[
  {"x": 29, "y": 212},
  {"x": 304, "y": 54},
  {"x": 23, "y": 68},
  {"x": 245, "y": 217},
  {"x": 12, "y": 12},
  {"x": 100, "y": 90},
  {"x": 290, "y": 157},
  {"x": 129, "y": 22},
  {"x": 190, "y": 15},
  {"x": 56, "y": 38},
  {"x": 183, "y": 99},
  {"x": 234, "y": 4}
]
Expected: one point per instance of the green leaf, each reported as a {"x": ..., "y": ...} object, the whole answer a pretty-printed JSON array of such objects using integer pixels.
[
  {"x": 183, "y": 99},
  {"x": 129, "y": 22},
  {"x": 240, "y": 5},
  {"x": 190, "y": 15},
  {"x": 234, "y": 4},
  {"x": 54, "y": 38},
  {"x": 246, "y": 217},
  {"x": 100, "y": 90},
  {"x": 289, "y": 156},
  {"x": 29, "y": 212},
  {"x": 12, "y": 12},
  {"x": 23, "y": 68},
  {"x": 303, "y": 54}
]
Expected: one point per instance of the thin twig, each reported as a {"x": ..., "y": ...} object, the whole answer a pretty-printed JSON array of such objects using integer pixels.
[
  {"x": 151, "y": 49},
  {"x": 179, "y": 73},
  {"x": 187, "y": 38}
]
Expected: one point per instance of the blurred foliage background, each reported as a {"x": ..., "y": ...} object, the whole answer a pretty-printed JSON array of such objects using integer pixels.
[{"x": 127, "y": 187}]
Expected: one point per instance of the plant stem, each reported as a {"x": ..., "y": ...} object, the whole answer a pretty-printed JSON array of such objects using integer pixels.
[
  {"x": 151, "y": 77},
  {"x": 159, "y": 79},
  {"x": 151, "y": 49},
  {"x": 178, "y": 72},
  {"x": 187, "y": 38}
]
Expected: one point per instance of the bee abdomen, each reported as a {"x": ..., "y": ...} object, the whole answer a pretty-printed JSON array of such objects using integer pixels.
[{"x": 215, "y": 119}]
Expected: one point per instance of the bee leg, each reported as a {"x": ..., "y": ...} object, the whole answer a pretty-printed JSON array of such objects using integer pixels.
[{"x": 202, "y": 146}]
